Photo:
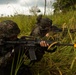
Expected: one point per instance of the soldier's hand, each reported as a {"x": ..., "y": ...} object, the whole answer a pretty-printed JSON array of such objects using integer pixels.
[{"x": 44, "y": 44}]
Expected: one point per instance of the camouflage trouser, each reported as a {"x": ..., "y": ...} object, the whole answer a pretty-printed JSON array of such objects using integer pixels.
[
  {"x": 5, "y": 70},
  {"x": 24, "y": 70}
]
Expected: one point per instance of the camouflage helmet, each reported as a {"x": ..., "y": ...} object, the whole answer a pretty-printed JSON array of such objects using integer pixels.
[
  {"x": 46, "y": 22},
  {"x": 8, "y": 28}
]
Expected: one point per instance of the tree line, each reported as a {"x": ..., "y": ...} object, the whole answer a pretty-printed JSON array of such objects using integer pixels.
[{"x": 64, "y": 5}]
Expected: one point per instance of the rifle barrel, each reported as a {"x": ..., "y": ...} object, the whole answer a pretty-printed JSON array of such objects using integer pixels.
[
  {"x": 65, "y": 44},
  {"x": 34, "y": 42},
  {"x": 65, "y": 30}
]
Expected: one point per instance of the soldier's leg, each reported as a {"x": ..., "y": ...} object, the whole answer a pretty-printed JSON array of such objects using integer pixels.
[{"x": 24, "y": 70}]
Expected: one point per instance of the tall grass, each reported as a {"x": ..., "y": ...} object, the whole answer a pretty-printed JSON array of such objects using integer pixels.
[
  {"x": 61, "y": 62},
  {"x": 62, "y": 18}
]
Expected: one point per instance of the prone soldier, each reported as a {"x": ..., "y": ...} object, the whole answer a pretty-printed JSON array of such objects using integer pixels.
[
  {"x": 13, "y": 54},
  {"x": 44, "y": 26},
  {"x": 44, "y": 29}
]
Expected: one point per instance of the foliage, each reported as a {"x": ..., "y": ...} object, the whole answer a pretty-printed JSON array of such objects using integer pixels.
[
  {"x": 64, "y": 5},
  {"x": 64, "y": 19}
]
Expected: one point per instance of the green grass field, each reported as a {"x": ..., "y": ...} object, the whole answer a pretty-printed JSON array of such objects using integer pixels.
[{"x": 61, "y": 62}]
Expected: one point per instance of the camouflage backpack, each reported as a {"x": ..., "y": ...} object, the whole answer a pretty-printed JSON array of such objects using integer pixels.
[{"x": 8, "y": 28}]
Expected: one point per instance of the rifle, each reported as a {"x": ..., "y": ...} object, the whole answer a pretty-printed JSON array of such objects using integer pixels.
[
  {"x": 31, "y": 43},
  {"x": 56, "y": 29}
]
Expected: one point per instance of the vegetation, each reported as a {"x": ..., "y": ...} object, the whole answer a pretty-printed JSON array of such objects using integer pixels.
[
  {"x": 61, "y": 62},
  {"x": 64, "y": 5}
]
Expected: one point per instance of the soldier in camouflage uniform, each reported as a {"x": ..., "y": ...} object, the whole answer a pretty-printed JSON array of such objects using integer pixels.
[
  {"x": 44, "y": 26},
  {"x": 11, "y": 55},
  {"x": 8, "y": 53},
  {"x": 44, "y": 31}
]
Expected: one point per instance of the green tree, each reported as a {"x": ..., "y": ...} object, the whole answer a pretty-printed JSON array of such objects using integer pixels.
[{"x": 64, "y": 5}]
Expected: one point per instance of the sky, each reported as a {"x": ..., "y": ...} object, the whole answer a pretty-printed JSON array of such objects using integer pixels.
[{"x": 11, "y": 7}]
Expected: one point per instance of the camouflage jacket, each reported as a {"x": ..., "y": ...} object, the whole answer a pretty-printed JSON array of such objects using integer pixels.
[
  {"x": 44, "y": 35},
  {"x": 38, "y": 31}
]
